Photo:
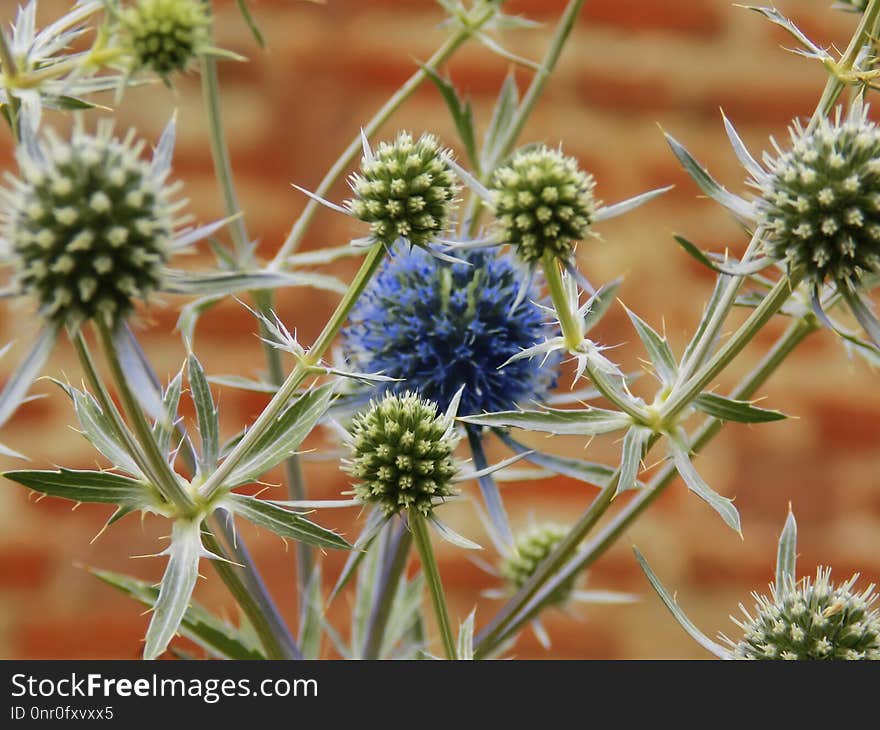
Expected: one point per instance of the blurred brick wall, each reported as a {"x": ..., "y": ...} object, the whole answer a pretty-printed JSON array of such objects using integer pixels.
[{"x": 631, "y": 65}]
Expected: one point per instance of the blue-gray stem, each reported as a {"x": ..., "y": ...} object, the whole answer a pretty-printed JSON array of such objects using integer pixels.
[{"x": 396, "y": 556}]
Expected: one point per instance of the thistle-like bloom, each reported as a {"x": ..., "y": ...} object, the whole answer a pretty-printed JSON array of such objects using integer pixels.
[
  {"x": 402, "y": 454},
  {"x": 165, "y": 36},
  {"x": 801, "y": 620},
  {"x": 90, "y": 225},
  {"x": 405, "y": 189},
  {"x": 438, "y": 326},
  {"x": 544, "y": 203},
  {"x": 530, "y": 549},
  {"x": 812, "y": 620},
  {"x": 817, "y": 210},
  {"x": 820, "y": 201}
]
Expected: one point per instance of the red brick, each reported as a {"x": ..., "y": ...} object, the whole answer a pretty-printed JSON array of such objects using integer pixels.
[
  {"x": 623, "y": 94},
  {"x": 84, "y": 637},
  {"x": 24, "y": 567},
  {"x": 699, "y": 17},
  {"x": 846, "y": 426}
]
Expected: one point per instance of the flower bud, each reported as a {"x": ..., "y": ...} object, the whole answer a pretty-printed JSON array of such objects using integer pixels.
[
  {"x": 543, "y": 203},
  {"x": 820, "y": 204},
  {"x": 402, "y": 454},
  {"x": 405, "y": 189},
  {"x": 90, "y": 226},
  {"x": 165, "y": 36},
  {"x": 812, "y": 620},
  {"x": 530, "y": 549}
]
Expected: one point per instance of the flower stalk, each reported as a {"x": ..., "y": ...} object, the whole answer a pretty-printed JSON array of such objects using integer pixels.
[
  {"x": 422, "y": 540},
  {"x": 528, "y": 600},
  {"x": 301, "y": 371}
]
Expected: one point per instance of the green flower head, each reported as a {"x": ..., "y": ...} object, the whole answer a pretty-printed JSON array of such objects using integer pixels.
[
  {"x": 90, "y": 225},
  {"x": 165, "y": 36},
  {"x": 820, "y": 201},
  {"x": 812, "y": 620},
  {"x": 405, "y": 190},
  {"x": 544, "y": 203},
  {"x": 530, "y": 549},
  {"x": 402, "y": 454}
]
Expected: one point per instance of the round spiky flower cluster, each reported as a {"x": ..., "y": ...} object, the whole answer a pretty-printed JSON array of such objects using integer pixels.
[
  {"x": 437, "y": 327},
  {"x": 402, "y": 454},
  {"x": 543, "y": 203},
  {"x": 820, "y": 203},
  {"x": 813, "y": 620},
  {"x": 405, "y": 189},
  {"x": 90, "y": 226},
  {"x": 165, "y": 35},
  {"x": 529, "y": 551}
]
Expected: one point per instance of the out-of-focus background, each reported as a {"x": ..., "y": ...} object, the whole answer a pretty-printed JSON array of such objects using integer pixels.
[{"x": 631, "y": 68}]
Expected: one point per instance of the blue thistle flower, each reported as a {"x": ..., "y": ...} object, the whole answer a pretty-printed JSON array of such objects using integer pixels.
[{"x": 438, "y": 326}]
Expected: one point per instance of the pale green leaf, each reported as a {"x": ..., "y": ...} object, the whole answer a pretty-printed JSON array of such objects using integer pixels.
[
  {"x": 708, "y": 184},
  {"x": 283, "y": 522},
  {"x": 581, "y": 422},
  {"x": 786, "y": 555},
  {"x": 634, "y": 444},
  {"x": 678, "y": 614},
  {"x": 502, "y": 116},
  {"x": 728, "y": 409},
  {"x": 224, "y": 283},
  {"x": 589, "y": 472},
  {"x": 722, "y": 505},
  {"x": 283, "y": 437},
  {"x": 465, "y": 649},
  {"x": 86, "y": 486},
  {"x": 23, "y": 376},
  {"x": 657, "y": 348},
  {"x": 198, "y": 624},
  {"x": 206, "y": 415},
  {"x": 462, "y": 113},
  {"x": 175, "y": 590}
]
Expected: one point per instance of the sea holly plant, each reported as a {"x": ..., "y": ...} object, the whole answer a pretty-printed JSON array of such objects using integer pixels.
[
  {"x": 135, "y": 484},
  {"x": 470, "y": 324},
  {"x": 801, "y": 619}
]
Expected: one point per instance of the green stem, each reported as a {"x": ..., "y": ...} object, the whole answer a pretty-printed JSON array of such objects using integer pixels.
[
  {"x": 247, "y": 589},
  {"x": 572, "y": 331},
  {"x": 166, "y": 480},
  {"x": 836, "y": 83},
  {"x": 682, "y": 396},
  {"x": 109, "y": 408},
  {"x": 296, "y": 487},
  {"x": 388, "y": 584},
  {"x": 274, "y": 645},
  {"x": 355, "y": 146},
  {"x": 263, "y": 298},
  {"x": 512, "y": 132},
  {"x": 287, "y": 390},
  {"x": 220, "y": 155},
  {"x": 523, "y": 608},
  {"x": 498, "y": 628},
  {"x": 709, "y": 334},
  {"x": 422, "y": 539}
]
